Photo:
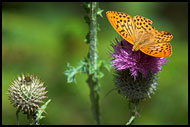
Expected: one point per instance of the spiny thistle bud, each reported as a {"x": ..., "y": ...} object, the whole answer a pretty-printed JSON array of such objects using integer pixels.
[
  {"x": 27, "y": 93},
  {"x": 135, "y": 89}
]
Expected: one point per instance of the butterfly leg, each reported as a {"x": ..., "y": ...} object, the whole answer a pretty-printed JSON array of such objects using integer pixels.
[{"x": 136, "y": 46}]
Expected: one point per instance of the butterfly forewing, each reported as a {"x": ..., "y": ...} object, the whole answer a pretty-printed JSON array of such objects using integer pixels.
[
  {"x": 142, "y": 23},
  {"x": 144, "y": 29},
  {"x": 123, "y": 24}
]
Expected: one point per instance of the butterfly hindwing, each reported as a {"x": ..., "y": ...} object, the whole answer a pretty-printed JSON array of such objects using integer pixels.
[
  {"x": 163, "y": 36},
  {"x": 162, "y": 49}
]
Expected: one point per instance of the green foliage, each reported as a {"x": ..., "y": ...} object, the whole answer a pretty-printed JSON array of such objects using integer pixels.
[
  {"x": 84, "y": 67},
  {"x": 102, "y": 64},
  {"x": 86, "y": 6},
  {"x": 105, "y": 63},
  {"x": 40, "y": 111},
  {"x": 99, "y": 12},
  {"x": 72, "y": 71}
]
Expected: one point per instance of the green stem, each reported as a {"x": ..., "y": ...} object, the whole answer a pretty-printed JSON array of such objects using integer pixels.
[
  {"x": 94, "y": 97},
  {"x": 17, "y": 116},
  {"x": 134, "y": 108},
  {"x": 131, "y": 120},
  {"x": 93, "y": 35},
  {"x": 92, "y": 79}
]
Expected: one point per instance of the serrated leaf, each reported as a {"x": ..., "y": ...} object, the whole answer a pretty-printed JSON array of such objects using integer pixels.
[
  {"x": 91, "y": 69},
  {"x": 82, "y": 66},
  {"x": 107, "y": 65},
  {"x": 86, "y": 6},
  {"x": 41, "y": 110},
  {"x": 99, "y": 74},
  {"x": 72, "y": 71},
  {"x": 99, "y": 63},
  {"x": 99, "y": 12},
  {"x": 103, "y": 63}
]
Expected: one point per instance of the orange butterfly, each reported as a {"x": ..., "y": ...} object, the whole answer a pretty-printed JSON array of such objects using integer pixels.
[{"x": 140, "y": 33}]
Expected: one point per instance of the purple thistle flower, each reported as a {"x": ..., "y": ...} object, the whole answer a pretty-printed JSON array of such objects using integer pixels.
[
  {"x": 125, "y": 58},
  {"x": 135, "y": 75}
]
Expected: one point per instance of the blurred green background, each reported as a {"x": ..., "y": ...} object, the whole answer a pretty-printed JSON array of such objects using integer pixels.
[{"x": 41, "y": 38}]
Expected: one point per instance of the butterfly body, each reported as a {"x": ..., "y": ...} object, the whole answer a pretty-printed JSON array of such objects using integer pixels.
[{"x": 139, "y": 32}]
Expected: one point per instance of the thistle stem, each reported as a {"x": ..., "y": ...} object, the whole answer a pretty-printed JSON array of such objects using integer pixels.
[
  {"x": 131, "y": 120},
  {"x": 92, "y": 79},
  {"x": 93, "y": 35},
  {"x": 17, "y": 116},
  {"x": 134, "y": 108}
]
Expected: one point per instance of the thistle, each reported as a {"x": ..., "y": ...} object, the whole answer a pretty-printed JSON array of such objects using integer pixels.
[
  {"x": 27, "y": 93},
  {"x": 135, "y": 76}
]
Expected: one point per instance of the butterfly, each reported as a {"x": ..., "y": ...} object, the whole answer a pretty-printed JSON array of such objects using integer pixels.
[{"x": 139, "y": 32}]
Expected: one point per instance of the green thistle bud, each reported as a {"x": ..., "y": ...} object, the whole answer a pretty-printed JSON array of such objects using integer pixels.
[
  {"x": 135, "y": 89},
  {"x": 27, "y": 93}
]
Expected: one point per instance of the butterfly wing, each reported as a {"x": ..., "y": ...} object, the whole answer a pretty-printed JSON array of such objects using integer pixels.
[
  {"x": 160, "y": 46},
  {"x": 163, "y": 36},
  {"x": 123, "y": 24},
  {"x": 153, "y": 43},
  {"x": 139, "y": 32},
  {"x": 143, "y": 28},
  {"x": 162, "y": 49}
]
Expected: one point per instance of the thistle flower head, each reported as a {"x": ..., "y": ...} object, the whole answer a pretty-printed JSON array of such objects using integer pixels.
[
  {"x": 135, "y": 71},
  {"x": 136, "y": 62},
  {"x": 26, "y": 93}
]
